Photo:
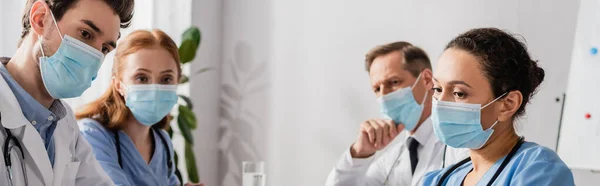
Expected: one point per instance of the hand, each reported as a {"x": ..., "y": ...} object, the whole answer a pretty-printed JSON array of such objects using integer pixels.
[
  {"x": 374, "y": 135},
  {"x": 194, "y": 184}
]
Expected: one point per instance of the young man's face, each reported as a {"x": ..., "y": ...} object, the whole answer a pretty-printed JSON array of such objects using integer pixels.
[{"x": 90, "y": 21}]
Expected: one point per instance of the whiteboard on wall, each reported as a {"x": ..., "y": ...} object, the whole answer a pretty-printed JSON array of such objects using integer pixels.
[{"x": 579, "y": 135}]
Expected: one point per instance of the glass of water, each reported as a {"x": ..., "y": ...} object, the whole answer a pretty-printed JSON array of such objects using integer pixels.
[{"x": 253, "y": 173}]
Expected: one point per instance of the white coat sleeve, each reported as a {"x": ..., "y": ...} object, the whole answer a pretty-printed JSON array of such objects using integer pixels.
[
  {"x": 90, "y": 172},
  {"x": 357, "y": 172}
]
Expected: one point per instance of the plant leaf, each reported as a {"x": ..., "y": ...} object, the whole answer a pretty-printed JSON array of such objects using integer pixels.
[
  {"x": 189, "y": 45},
  {"x": 184, "y": 79},
  {"x": 188, "y": 116},
  {"x": 186, "y": 132},
  {"x": 190, "y": 164},
  {"x": 193, "y": 34},
  {"x": 187, "y": 51},
  {"x": 188, "y": 101}
]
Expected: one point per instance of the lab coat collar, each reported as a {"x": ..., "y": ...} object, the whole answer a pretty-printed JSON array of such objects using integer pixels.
[
  {"x": 423, "y": 133},
  {"x": 12, "y": 118}
]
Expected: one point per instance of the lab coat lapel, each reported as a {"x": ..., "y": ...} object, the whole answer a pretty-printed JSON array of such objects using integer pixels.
[
  {"x": 12, "y": 118},
  {"x": 63, "y": 144}
]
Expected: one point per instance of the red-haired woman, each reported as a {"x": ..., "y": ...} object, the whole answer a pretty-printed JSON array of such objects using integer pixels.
[{"x": 125, "y": 125}]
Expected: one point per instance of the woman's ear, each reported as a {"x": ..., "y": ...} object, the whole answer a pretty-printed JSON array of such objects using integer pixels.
[
  {"x": 118, "y": 86},
  {"x": 510, "y": 104},
  {"x": 37, "y": 17}
]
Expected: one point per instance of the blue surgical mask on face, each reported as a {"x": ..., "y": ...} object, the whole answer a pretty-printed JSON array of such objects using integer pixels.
[
  {"x": 401, "y": 106},
  {"x": 150, "y": 103},
  {"x": 71, "y": 70},
  {"x": 459, "y": 124}
]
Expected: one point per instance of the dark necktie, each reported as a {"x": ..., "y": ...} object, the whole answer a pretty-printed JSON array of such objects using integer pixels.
[{"x": 412, "y": 149}]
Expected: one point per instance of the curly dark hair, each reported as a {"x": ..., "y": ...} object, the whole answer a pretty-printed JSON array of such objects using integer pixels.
[{"x": 504, "y": 61}]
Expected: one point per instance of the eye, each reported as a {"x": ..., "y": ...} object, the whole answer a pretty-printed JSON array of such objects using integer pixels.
[
  {"x": 460, "y": 95},
  {"x": 167, "y": 80},
  {"x": 376, "y": 90},
  {"x": 395, "y": 82},
  {"x": 105, "y": 49},
  {"x": 141, "y": 79},
  {"x": 436, "y": 90},
  {"x": 86, "y": 35}
]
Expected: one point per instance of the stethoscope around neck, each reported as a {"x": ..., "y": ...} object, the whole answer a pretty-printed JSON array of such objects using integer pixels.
[
  {"x": 162, "y": 139},
  {"x": 512, "y": 152},
  {"x": 6, "y": 152}
]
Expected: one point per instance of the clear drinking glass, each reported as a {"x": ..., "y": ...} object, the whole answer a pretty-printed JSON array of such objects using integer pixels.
[{"x": 253, "y": 173}]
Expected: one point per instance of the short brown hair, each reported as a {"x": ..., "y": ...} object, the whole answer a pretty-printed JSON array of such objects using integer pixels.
[
  {"x": 110, "y": 109},
  {"x": 415, "y": 59},
  {"x": 123, "y": 8}
]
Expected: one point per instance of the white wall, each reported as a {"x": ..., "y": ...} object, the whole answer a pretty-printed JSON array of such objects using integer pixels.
[
  {"x": 10, "y": 26},
  {"x": 319, "y": 92},
  {"x": 205, "y": 88}
]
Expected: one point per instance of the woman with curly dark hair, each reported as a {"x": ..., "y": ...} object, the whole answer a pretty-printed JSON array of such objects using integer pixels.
[{"x": 482, "y": 83}]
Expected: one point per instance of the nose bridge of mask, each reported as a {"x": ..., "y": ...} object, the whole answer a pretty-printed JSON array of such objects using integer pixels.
[{"x": 157, "y": 87}]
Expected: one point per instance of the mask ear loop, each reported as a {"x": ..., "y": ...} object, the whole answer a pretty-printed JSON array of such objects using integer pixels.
[
  {"x": 56, "y": 24},
  {"x": 414, "y": 84},
  {"x": 57, "y": 28},
  {"x": 494, "y": 100},
  {"x": 493, "y": 125},
  {"x": 416, "y": 81},
  {"x": 41, "y": 46}
]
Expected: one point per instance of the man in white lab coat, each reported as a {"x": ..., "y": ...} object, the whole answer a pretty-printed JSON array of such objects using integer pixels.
[
  {"x": 62, "y": 47},
  {"x": 401, "y": 79}
]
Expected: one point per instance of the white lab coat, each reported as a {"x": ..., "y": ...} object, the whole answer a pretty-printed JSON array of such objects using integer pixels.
[
  {"x": 74, "y": 162},
  {"x": 374, "y": 170}
]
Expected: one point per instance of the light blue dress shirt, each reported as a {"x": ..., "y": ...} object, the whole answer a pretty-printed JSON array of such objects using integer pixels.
[
  {"x": 135, "y": 170},
  {"x": 531, "y": 165},
  {"x": 43, "y": 119}
]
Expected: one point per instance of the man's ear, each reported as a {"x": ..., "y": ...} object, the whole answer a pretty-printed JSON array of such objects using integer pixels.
[
  {"x": 427, "y": 78},
  {"x": 510, "y": 104},
  {"x": 38, "y": 17}
]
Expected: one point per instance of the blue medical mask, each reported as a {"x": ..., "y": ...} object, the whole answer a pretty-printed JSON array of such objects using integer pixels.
[
  {"x": 150, "y": 103},
  {"x": 401, "y": 106},
  {"x": 459, "y": 124},
  {"x": 71, "y": 70}
]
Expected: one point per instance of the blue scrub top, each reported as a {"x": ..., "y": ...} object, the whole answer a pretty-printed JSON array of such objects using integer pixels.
[
  {"x": 531, "y": 165},
  {"x": 135, "y": 170}
]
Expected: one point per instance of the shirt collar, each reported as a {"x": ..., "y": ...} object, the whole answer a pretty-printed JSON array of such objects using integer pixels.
[
  {"x": 31, "y": 108},
  {"x": 423, "y": 133}
]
